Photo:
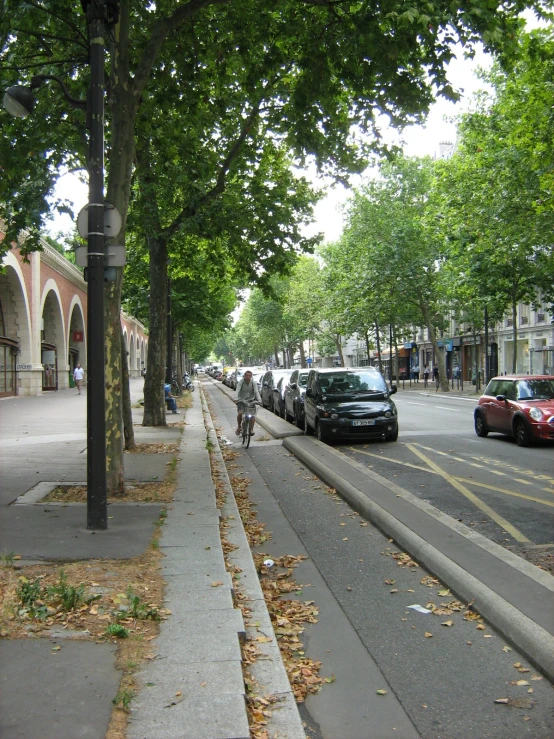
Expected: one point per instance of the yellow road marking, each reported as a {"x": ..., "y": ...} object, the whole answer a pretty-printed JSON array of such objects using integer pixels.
[
  {"x": 506, "y": 492},
  {"x": 549, "y": 490},
  {"x": 523, "y": 482},
  {"x": 460, "y": 479},
  {"x": 389, "y": 459},
  {"x": 500, "y": 474},
  {"x": 500, "y": 520}
]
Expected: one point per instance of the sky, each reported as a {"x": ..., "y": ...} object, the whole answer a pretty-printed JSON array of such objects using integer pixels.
[{"x": 416, "y": 141}]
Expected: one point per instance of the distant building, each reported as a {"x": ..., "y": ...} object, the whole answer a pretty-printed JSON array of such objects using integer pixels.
[{"x": 43, "y": 324}]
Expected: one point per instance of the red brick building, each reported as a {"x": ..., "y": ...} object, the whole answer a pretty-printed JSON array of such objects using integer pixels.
[{"x": 43, "y": 324}]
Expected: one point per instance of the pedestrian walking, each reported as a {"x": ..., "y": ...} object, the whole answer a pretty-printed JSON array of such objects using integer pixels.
[
  {"x": 436, "y": 376},
  {"x": 415, "y": 371},
  {"x": 426, "y": 373},
  {"x": 78, "y": 375}
]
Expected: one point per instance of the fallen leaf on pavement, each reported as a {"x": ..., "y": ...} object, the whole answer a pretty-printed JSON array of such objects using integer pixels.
[
  {"x": 216, "y": 584},
  {"x": 381, "y": 692},
  {"x": 428, "y": 634},
  {"x": 506, "y": 649},
  {"x": 447, "y": 623}
]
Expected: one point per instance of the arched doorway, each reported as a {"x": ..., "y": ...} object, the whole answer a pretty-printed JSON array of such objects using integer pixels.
[
  {"x": 15, "y": 346},
  {"x": 76, "y": 340},
  {"x": 52, "y": 342}
]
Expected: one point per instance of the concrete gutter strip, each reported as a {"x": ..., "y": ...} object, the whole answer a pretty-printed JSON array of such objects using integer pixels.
[
  {"x": 532, "y": 639},
  {"x": 269, "y": 671}
]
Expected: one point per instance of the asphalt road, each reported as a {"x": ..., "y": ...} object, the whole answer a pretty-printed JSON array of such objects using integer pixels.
[
  {"x": 504, "y": 491},
  {"x": 367, "y": 636}
]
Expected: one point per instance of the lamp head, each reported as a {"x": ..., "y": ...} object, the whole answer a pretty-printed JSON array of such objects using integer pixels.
[{"x": 19, "y": 101}]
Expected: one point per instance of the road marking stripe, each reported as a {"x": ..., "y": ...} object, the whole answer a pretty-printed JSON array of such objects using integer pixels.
[
  {"x": 506, "y": 492},
  {"x": 452, "y": 410},
  {"x": 460, "y": 479},
  {"x": 389, "y": 459},
  {"x": 523, "y": 482},
  {"x": 443, "y": 454},
  {"x": 506, "y": 525}
]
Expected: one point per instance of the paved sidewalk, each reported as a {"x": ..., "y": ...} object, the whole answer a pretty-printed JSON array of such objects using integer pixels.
[{"x": 42, "y": 440}]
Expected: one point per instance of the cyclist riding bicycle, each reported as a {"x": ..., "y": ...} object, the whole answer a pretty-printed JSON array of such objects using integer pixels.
[{"x": 247, "y": 394}]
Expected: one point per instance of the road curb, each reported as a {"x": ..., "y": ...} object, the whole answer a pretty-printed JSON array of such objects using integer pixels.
[
  {"x": 532, "y": 640},
  {"x": 285, "y": 720}
]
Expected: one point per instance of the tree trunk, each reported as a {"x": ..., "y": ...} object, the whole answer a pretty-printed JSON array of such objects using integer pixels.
[
  {"x": 338, "y": 344},
  {"x": 154, "y": 403},
  {"x": 378, "y": 341},
  {"x": 302, "y": 355},
  {"x": 514, "y": 335},
  {"x": 121, "y": 156},
  {"x": 367, "y": 347},
  {"x": 439, "y": 356},
  {"x": 128, "y": 431},
  {"x": 276, "y": 353}
]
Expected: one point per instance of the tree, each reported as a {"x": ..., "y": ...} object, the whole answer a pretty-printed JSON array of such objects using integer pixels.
[
  {"x": 391, "y": 234},
  {"x": 495, "y": 200},
  {"x": 322, "y": 68}
]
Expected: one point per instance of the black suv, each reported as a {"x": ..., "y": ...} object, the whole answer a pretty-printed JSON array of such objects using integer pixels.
[{"x": 349, "y": 404}]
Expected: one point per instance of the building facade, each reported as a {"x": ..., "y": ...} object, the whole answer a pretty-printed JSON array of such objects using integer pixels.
[{"x": 43, "y": 324}]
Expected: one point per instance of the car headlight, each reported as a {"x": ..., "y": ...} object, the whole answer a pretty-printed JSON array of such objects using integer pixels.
[
  {"x": 536, "y": 414},
  {"x": 334, "y": 416},
  {"x": 388, "y": 414}
]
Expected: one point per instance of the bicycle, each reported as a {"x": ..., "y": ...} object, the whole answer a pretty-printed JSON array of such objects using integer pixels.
[{"x": 248, "y": 417}]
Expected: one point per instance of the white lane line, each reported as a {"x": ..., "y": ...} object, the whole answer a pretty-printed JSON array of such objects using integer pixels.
[{"x": 444, "y": 408}]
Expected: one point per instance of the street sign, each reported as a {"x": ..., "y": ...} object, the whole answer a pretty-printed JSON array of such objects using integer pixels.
[
  {"x": 114, "y": 256},
  {"x": 112, "y": 221},
  {"x": 309, "y": 360}
]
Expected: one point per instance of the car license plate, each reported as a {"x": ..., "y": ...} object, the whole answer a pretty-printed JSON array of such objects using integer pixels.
[{"x": 369, "y": 422}]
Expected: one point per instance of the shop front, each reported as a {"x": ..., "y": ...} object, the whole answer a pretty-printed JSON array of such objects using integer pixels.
[
  {"x": 8, "y": 367},
  {"x": 49, "y": 361}
]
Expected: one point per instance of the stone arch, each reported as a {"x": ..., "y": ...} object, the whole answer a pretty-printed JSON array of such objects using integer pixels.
[
  {"x": 76, "y": 335},
  {"x": 137, "y": 355},
  {"x": 16, "y": 357},
  {"x": 132, "y": 352},
  {"x": 53, "y": 344}
]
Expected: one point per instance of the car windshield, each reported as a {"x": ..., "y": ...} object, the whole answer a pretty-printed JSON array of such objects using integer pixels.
[
  {"x": 535, "y": 389},
  {"x": 341, "y": 383},
  {"x": 303, "y": 379},
  {"x": 277, "y": 374}
]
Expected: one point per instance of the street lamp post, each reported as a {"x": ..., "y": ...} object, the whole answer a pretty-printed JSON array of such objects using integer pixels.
[
  {"x": 97, "y": 517},
  {"x": 20, "y": 102}
]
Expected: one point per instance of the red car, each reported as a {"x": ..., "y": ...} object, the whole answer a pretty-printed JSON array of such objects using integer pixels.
[{"x": 521, "y": 406}]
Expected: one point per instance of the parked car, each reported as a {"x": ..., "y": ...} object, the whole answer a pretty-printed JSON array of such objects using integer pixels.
[
  {"x": 231, "y": 379},
  {"x": 294, "y": 396},
  {"x": 279, "y": 397},
  {"x": 269, "y": 383},
  {"x": 521, "y": 406},
  {"x": 349, "y": 404}
]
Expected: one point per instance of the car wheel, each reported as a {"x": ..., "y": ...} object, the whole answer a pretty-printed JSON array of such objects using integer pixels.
[
  {"x": 393, "y": 436},
  {"x": 307, "y": 430},
  {"x": 319, "y": 432},
  {"x": 521, "y": 433},
  {"x": 480, "y": 427},
  {"x": 283, "y": 411},
  {"x": 298, "y": 418}
]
